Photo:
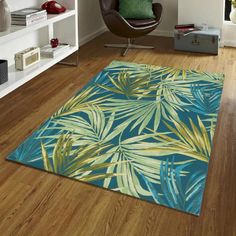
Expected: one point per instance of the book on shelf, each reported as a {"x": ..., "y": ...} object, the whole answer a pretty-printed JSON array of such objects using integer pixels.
[
  {"x": 28, "y": 12},
  {"x": 28, "y": 16},
  {"x": 28, "y": 21},
  {"x": 48, "y": 51}
]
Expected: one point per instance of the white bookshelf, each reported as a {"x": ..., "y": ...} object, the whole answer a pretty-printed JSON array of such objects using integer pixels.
[{"x": 63, "y": 26}]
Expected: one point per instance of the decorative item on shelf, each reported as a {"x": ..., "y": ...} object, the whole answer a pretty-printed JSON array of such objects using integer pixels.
[
  {"x": 54, "y": 48},
  {"x": 205, "y": 27},
  {"x": 54, "y": 42},
  {"x": 28, "y": 16},
  {"x": 186, "y": 29},
  {"x": 53, "y": 7},
  {"x": 3, "y": 71},
  {"x": 232, "y": 15},
  {"x": 5, "y": 16},
  {"x": 27, "y": 58}
]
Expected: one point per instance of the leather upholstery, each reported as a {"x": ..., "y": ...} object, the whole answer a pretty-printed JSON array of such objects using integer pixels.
[
  {"x": 128, "y": 28},
  {"x": 141, "y": 23},
  {"x": 109, "y": 5}
]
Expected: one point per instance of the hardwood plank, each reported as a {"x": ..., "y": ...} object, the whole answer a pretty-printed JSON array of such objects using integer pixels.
[{"x": 33, "y": 202}]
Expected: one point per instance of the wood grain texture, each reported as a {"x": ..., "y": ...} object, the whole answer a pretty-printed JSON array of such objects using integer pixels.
[{"x": 33, "y": 202}]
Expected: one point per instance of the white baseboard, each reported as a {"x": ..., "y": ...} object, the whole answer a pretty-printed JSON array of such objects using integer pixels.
[
  {"x": 229, "y": 43},
  {"x": 89, "y": 37},
  {"x": 85, "y": 39},
  {"x": 164, "y": 33}
]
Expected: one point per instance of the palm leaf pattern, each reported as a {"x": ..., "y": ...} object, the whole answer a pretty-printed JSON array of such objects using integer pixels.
[
  {"x": 142, "y": 130},
  {"x": 178, "y": 193}
]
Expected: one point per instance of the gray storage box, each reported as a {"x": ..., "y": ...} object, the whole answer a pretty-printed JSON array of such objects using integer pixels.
[
  {"x": 199, "y": 41},
  {"x": 3, "y": 71}
]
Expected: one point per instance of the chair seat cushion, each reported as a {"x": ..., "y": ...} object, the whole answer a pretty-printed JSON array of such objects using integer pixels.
[
  {"x": 136, "y": 9},
  {"x": 141, "y": 23}
]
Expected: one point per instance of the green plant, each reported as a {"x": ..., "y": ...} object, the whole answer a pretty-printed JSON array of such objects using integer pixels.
[{"x": 233, "y": 2}]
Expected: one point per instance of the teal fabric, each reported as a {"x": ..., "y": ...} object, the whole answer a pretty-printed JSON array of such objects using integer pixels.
[
  {"x": 136, "y": 9},
  {"x": 141, "y": 130}
]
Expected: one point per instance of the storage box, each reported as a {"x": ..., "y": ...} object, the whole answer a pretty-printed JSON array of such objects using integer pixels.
[
  {"x": 199, "y": 41},
  {"x": 3, "y": 71}
]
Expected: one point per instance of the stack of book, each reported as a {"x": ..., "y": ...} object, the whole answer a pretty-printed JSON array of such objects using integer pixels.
[
  {"x": 186, "y": 29},
  {"x": 48, "y": 51},
  {"x": 28, "y": 16}
]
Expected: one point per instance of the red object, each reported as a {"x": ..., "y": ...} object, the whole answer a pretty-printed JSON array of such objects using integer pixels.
[
  {"x": 184, "y": 26},
  {"x": 53, "y": 7},
  {"x": 54, "y": 43}
]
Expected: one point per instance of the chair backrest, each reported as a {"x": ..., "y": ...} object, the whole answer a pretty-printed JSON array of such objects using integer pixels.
[{"x": 109, "y": 5}]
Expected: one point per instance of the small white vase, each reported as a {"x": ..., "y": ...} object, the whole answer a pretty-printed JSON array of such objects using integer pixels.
[
  {"x": 232, "y": 15},
  {"x": 5, "y": 16}
]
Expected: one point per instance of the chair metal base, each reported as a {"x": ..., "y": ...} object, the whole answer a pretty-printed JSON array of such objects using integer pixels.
[{"x": 127, "y": 46}]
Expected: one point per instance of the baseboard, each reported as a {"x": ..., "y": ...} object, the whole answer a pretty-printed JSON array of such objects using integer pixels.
[
  {"x": 89, "y": 37},
  {"x": 92, "y": 36},
  {"x": 164, "y": 33},
  {"x": 229, "y": 43}
]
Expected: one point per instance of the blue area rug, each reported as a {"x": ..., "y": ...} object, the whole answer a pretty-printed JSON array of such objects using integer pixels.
[{"x": 141, "y": 130}]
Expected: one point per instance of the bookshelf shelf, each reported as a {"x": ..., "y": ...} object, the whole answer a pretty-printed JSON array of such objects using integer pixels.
[
  {"x": 63, "y": 26},
  {"x": 18, "y": 31},
  {"x": 18, "y": 78}
]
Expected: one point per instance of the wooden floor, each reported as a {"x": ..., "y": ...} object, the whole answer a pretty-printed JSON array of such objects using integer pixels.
[{"x": 33, "y": 202}]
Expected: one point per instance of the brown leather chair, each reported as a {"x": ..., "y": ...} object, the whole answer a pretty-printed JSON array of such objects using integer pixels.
[{"x": 128, "y": 28}]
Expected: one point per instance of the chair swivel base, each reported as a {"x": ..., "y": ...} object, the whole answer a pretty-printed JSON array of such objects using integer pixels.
[{"x": 127, "y": 46}]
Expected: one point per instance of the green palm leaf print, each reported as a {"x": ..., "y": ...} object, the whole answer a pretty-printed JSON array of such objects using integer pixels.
[{"x": 141, "y": 130}]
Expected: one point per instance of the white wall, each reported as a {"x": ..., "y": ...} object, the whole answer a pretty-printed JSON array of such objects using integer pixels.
[
  {"x": 198, "y": 12},
  {"x": 170, "y": 17},
  {"x": 90, "y": 20},
  {"x": 210, "y": 12},
  {"x": 229, "y": 34},
  {"x": 175, "y": 11}
]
